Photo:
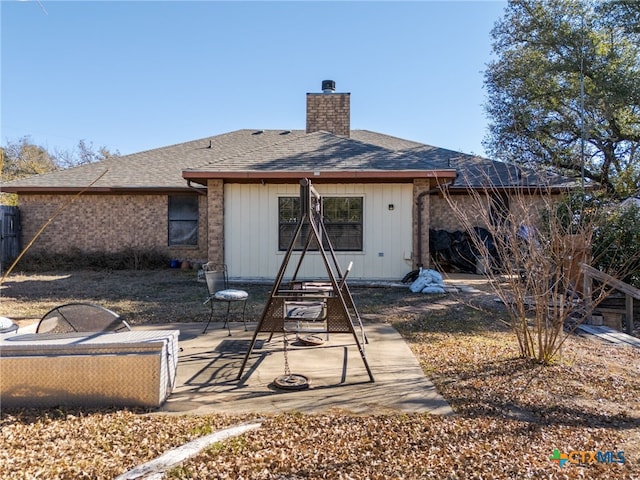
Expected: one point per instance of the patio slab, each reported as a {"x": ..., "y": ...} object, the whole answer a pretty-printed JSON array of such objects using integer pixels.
[{"x": 209, "y": 365}]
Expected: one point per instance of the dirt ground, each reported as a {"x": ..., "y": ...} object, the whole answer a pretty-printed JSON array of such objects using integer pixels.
[
  {"x": 175, "y": 295},
  {"x": 505, "y": 406}
]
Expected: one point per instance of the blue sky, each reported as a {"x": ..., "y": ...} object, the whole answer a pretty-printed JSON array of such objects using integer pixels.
[{"x": 133, "y": 76}]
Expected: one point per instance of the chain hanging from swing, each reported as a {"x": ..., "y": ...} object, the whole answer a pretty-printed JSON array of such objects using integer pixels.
[{"x": 289, "y": 381}]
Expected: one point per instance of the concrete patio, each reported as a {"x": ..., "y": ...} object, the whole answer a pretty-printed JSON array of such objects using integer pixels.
[{"x": 209, "y": 364}]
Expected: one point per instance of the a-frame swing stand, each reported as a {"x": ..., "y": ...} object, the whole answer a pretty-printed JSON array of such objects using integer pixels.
[{"x": 326, "y": 304}]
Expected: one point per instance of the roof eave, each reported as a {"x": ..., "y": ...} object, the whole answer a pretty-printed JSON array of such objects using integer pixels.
[
  {"x": 526, "y": 189},
  {"x": 93, "y": 190},
  {"x": 319, "y": 175}
]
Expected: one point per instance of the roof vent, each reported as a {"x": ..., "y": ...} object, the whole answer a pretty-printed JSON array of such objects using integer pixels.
[{"x": 328, "y": 86}]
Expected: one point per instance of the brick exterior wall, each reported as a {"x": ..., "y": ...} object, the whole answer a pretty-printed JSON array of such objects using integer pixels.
[
  {"x": 526, "y": 208},
  {"x": 330, "y": 112},
  {"x": 443, "y": 217},
  {"x": 105, "y": 223},
  {"x": 215, "y": 208}
]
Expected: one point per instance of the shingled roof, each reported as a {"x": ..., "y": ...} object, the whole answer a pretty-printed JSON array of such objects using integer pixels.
[
  {"x": 327, "y": 156},
  {"x": 255, "y": 155}
]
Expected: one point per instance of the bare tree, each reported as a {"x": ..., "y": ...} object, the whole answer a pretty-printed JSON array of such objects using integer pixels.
[
  {"x": 22, "y": 158},
  {"x": 532, "y": 250},
  {"x": 84, "y": 153}
]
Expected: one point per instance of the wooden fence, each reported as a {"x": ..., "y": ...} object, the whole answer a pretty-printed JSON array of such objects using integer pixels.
[{"x": 9, "y": 235}]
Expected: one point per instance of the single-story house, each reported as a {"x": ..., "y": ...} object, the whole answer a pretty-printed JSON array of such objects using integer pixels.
[{"x": 233, "y": 197}]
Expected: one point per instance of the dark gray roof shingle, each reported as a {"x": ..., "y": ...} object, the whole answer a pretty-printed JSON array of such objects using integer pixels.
[
  {"x": 327, "y": 152},
  {"x": 270, "y": 151}
]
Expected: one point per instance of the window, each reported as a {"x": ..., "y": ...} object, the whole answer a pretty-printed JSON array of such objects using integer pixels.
[
  {"x": 342, "y": 221},
  {"x": 183, "y": 220}
]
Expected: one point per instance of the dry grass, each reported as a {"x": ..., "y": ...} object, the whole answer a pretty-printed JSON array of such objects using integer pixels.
[{"x": 510, "y": 414}]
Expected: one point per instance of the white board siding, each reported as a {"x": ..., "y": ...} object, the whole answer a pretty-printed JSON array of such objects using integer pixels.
[{"x": 251, "y": 231}]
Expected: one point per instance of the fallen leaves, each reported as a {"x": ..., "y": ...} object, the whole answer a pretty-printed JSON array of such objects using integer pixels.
[
  {"x": 510, "y": 416},
  {"x": 339, "y": 445}
]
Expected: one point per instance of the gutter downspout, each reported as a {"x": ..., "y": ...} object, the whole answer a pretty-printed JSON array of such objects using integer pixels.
[
  {"x": 201, "y": 190},
  {"x": 420, "y": 207}
]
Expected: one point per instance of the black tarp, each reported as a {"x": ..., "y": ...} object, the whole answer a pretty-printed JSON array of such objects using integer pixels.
[{"x": 456, "y": 251}]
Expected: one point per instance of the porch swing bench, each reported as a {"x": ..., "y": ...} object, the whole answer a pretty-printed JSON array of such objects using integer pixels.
[
  {"x": 302, "y": 310},
  {"x": 306, "y": 317},
  {"x": 306, "y": 304}
]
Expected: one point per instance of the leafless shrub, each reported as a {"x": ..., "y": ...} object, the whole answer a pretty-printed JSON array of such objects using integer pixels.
[{"x": 531, "y": 241}]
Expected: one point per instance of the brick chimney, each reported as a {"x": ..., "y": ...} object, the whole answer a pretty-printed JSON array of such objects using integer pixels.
[{"x": 329, "y": 111}]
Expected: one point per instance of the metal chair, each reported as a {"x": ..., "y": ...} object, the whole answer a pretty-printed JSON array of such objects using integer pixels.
[
  {"x": 217, "y": 280},
  {"x": 80, "y": 317}
]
